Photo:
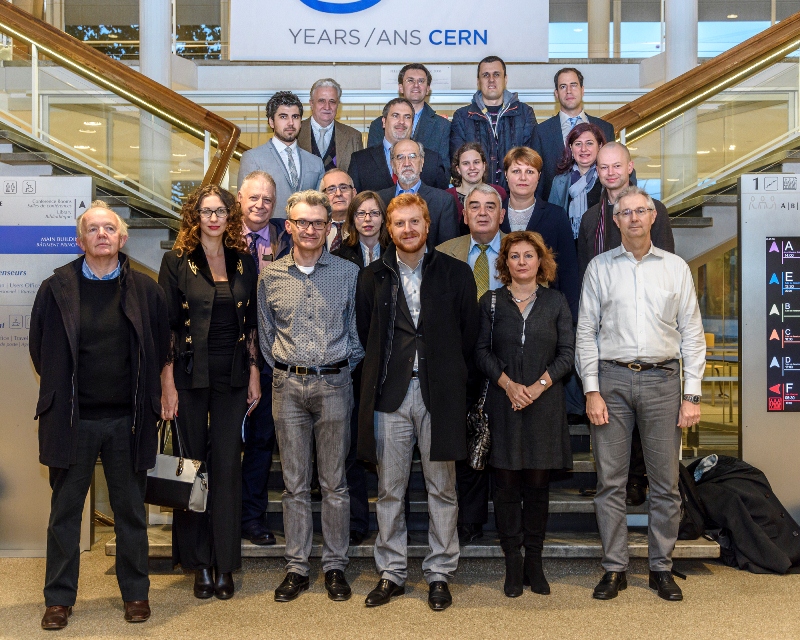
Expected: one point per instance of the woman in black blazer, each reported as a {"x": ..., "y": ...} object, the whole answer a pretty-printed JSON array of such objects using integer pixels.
[
  {"x": 525, "y": 354},
  {"x": 213, "y": 376},
  {"x": 364, "y": 229}
]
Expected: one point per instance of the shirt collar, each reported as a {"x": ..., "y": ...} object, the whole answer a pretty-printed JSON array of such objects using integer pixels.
[
  {"x": 494, "y": 245},
  {"x": 564, "y": 117},
  {"x": 324, "y": 259},
  {"x": 621, "y": 251},
  {"x": 281, "y": 148},
  {"x": 413, "y": 189},
  {"x": 262, "y": 233},
  {"x": 89, "y": 274},
  {"x": 404, "y": 268},
  {"x": 317, "y": 127}
]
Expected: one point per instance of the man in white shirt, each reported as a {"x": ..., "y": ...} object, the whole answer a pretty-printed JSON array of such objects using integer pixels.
[
  {"x": 338, "y": 186},
  {"x": 639, "y": 316}
]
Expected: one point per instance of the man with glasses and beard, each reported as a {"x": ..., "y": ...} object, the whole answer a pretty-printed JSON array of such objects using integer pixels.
[{"x": 307, "y": 330}]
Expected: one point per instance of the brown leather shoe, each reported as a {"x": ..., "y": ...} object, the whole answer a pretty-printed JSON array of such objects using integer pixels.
[
  {"x": 56, "y": 617},
  {"x": 137, "y": 610}
]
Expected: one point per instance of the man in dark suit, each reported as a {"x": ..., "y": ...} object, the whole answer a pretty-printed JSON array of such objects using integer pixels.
[
  {"x": 550, "y": 136},
  {"x": 371, "y": 169},
  {"x": 430, "y": 129},
  {"x": 408, "y": 161},
  {"x": 322, "y": 134}
]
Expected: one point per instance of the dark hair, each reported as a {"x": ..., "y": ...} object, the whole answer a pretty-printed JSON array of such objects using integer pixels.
[
  {"x": 565, "y": 164},
  {"x": 395, "y": 101},
  {"x": 349, "y": 227},
  {"x": 283, "y": 99},
  {"x": 567, "y": 70},
  {"x": 467, "y": 146},
  {"x": 489, "y": 60},
  {"x": 547, "y": 259},
  {"x": 523, "y": 155},
  {"x": 189, "y": 232},
  {"x": 414, "y": 66}
]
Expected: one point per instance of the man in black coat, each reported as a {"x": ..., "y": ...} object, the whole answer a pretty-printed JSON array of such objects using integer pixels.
[
  {"x": 371, "y": 169},
  {"x": 417, "y": 316},
  {"x": 550, "y": 136},
  {"x": 409, "y": 159},
  {"x": 99, "y": 339}
]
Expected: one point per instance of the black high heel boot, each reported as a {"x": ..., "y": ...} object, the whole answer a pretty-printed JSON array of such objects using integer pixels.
[
  {"x": 508, "y": 517},
  {"x": 534, "y": 524}
]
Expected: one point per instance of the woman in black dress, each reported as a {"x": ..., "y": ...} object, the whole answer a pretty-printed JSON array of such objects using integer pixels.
[
  {"x": 525, "y": 356},
  {"x": 214, "y": 376}
]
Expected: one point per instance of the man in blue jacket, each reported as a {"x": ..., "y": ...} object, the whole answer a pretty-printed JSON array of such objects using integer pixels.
[{"x": 496, "y": 119}]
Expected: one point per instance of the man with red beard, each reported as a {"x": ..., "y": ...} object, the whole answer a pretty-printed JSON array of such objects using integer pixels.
[{"x": 417, "y": 317}]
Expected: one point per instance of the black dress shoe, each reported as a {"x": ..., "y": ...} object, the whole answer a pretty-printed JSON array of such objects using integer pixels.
[
  {"x": 635, "y": 494},
  {"x": 56, "y": 617},
  {"x": 203, "y": 583},
  {"x": 610, "y": 585},
  {"x": 357, "y": 537},
  {"x": 291, "y": 587},
  {"x": 336, "y": 584},
  {"x": 385, "y": 591},
  {"x": 469, "y": 533},
  {"x": 137, "y": 611},
  {"x": 223, "y": 585},
  {"x": 664, "y": 583},
  {"x": 439, "y": 597},
  {"x": 261, "y": 537}
]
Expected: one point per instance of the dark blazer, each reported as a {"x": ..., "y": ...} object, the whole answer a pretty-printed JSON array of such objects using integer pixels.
[
  {"x": 351, "y": 253},
  {"x": 369, "y": 171},
  {"x": 348, "y": 140},
  {"x": 442, "y": 209},
  {"x": 449, "y": 317},
  {"x": 553, "y": 224},
  {"x": 549, "y": 143},
  {"x": 660, "y": 233},
  {"x": 187, "y": 279},
  {"x": 53, "y": 345},
  {"x": 433, "y": 131}
]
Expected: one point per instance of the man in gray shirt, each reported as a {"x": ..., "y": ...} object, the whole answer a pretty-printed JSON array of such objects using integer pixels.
[{"x": 307, "y": 329}]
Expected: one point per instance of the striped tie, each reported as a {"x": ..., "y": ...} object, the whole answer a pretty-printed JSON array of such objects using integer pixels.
[
  {"x": 481, "y": 271},
  {"x": 294, "y": 180},
  {"x": 573, "y": 121}
]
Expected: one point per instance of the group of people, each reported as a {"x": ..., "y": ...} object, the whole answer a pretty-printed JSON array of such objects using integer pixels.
[{"x": 365, "y": 324}]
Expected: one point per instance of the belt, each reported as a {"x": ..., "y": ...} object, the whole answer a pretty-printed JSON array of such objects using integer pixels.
[
  {"x": 415, "y": 375},
  {"x": 327, "y": 369},
  {"x": 643, "y": 366}
]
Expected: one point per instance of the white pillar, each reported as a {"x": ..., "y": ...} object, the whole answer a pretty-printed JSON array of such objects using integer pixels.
[
  {"x": 680, "y": 17},
  {"x": 599, "y": 15},
  {"x": 155, "y": 62}
]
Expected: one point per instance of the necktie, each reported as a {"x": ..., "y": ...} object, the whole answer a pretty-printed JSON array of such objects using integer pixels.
[
  {"x": 337, "y": 239},
  {"x": 252, "y": 245},
  {"x": 293, "y": 178},
  {"x": 481, "y": 271},
  {"x": 321, "y": 143},
  {"x": 573, "y": 121}
]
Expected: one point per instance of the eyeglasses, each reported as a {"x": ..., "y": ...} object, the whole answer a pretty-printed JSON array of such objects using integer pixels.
[
  {"x": 222, "y": 213},
  {"x": 403, "y": 156},
  {"x": 360, "y": 215},
  {"x": 626, "y": 213},
  {"x": 344, "y": 188},
  {"x": 319, "y": 225}
]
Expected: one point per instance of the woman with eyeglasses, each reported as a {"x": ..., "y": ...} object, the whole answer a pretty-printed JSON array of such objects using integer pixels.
[
  {"x": 576, "y": 187},
  {"x": 364, "y": 229},
  {"x": 467, "y": 171},
  {"x": 212, "y": 377}
]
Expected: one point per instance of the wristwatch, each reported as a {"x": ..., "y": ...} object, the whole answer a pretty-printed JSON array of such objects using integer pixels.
[
  {"x": 543, "y": 382},
  {"x": 690, "y": 398}
]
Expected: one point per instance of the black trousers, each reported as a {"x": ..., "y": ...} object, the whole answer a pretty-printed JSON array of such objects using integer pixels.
[
  {"x": 356, "y": 479},
  {"x": 257, "y": 459},
  {"x": 111, "y": 439},
  {"x": 473, "y": 494},
  {"x": 210, "y": 423}
]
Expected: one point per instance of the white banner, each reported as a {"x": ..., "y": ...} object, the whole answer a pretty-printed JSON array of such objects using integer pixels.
[{"x": 389, "y": 30}]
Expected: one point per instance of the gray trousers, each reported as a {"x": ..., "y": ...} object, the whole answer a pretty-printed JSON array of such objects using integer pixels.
[
  {"x": 306, "y": 407},
  {"x": 652, "y": 400},
  {"x": 395, "y": 435}
]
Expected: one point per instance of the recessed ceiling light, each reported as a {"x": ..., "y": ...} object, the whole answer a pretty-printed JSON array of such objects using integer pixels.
[
  {"x": 93, "y": 150},
  {"x": 178, "y": 171},
  {"x": 654, "y": 166},
  {"x": 672, "y": 179},
  {"x": 134, "y": 146},
  {"x": 179, "y": 155},
  {"x": 704, "y": 152},
  {"x": 633, "y": 148},
  {"x": 92, "y": 123},
  {"x": 81, "y": 146},
  {"x": 87, "y": 130},
  {"x": 577, "y": 30},
  {"x": 732, "y": 147},
  {"x": 732, "y": 16}
]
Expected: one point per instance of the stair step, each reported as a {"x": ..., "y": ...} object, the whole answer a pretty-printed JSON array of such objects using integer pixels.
[
  {"x": 690, "y": 222},
  {"x": 562, "y": 500},
  {"x": 557, "y": 545},
  {"x": 153, "y": 223}
]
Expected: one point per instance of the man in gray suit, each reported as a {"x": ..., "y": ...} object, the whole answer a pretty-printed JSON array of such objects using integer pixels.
[
  {"x": 292, "y": 168},
  {"x": 432, "y": 130},
  {"x": 322, "y": 134}
]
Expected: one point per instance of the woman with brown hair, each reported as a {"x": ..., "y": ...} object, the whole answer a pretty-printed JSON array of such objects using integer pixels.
[
  {"x": 525, "y": 351},
  {"x": 364, "y": 230},
  {"x": 213, "y": 376},
  {"x": 467, "y": 171}
]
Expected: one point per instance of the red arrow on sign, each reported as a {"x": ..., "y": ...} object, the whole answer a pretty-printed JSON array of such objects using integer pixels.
[{"x": 775, "y": 389}]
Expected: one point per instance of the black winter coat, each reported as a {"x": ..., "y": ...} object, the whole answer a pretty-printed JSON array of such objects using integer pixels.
[
  {"x": 187, "y": 279},
  {"x": 54, "y": 338},
  {"x": 449, "y": 317},
  {"x": 739, "y": 498}
]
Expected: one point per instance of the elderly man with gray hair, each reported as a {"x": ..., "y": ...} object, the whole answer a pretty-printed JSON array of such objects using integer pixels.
[
  {"x": 322, "y": 134},
  {"x": 99, "y": 340}
]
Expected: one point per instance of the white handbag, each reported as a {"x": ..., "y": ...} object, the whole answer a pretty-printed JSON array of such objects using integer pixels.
[{"x": 176, "y": 481}]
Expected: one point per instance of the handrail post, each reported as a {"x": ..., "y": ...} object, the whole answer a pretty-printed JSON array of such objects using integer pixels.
[
  {"x": 206, "y": 152},
  {"x": 34, "y": 91},
  {"x": 622, "y": 135}
]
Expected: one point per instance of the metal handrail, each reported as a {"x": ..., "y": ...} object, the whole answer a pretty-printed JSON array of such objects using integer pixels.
[
  {"x": 114, "y": 76},
  {"x": 643, "y": 115}
]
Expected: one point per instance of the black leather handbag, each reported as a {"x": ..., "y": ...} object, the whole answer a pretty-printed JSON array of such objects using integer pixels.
[
  {"x": 176, "y": 481},
  {"x": 479, "y": 438}
]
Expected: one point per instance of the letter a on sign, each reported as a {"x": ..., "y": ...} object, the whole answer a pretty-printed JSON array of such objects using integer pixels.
[
  {"x": 774, "y": 335},
  {"x": 774, "y": 279}
]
